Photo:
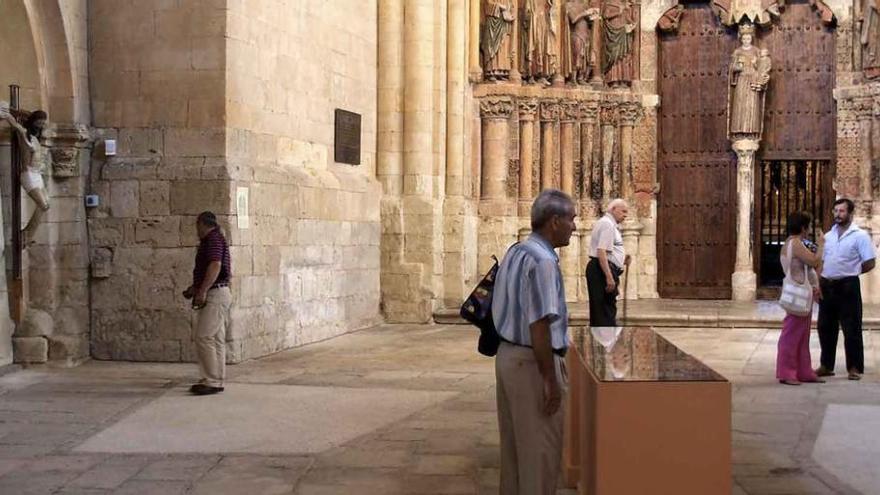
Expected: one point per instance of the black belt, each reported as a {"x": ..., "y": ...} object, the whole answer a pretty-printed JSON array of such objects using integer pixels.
[
  {"x": 558, "y": 352},
  {"x": 835, "y": 281},
  {"x": 614, "y": 269}
]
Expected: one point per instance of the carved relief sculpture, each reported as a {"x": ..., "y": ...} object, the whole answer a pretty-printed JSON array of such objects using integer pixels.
[
  {"x": 749, "y": 76},
  {"x": 870, "y": 39},
  {"x": 577, "y": 33},
  {"x": 540, "y": 57},
  {"x": 34, "y": 158},
  {"x": 619, "y": 38},
  {"x": 495, "y": 42}
]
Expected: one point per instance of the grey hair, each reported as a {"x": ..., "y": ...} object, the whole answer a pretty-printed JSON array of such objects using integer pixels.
[
  {"x": 549, "y": 203},
  {"x": 614, "y": 203}
]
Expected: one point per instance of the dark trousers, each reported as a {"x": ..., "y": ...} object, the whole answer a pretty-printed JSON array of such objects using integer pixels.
[
  {"x": 841, "y": 306},
  {"x": 603, "y": 305}
]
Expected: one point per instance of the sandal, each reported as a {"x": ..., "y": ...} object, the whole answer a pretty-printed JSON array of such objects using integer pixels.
[
  {"x": 789, "y": 382},
  {"x": 854, "y": 375},
  {"x": 823, "y": 371}
]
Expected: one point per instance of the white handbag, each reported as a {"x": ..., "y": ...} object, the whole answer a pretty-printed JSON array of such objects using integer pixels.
[{"x": 796, "y": 298}]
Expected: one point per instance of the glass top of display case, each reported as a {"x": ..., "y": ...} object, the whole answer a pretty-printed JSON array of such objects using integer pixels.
[{"x": 636, "y": 354}]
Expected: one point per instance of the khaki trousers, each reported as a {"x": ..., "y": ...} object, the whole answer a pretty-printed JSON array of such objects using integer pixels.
[
  {"x": 210, "y": 336},
  {"x": 531, "y": 441}
]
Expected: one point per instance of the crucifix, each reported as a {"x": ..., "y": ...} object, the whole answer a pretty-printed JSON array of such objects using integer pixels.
[{"x": 28, "y": 158}]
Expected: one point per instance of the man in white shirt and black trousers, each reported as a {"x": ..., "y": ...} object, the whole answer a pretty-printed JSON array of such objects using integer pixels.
[
  {"x": 848, "y": 253},
  {"x": 607, "y": 262}
]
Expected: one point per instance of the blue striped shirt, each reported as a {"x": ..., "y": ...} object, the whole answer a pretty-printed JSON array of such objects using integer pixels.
[{"x": 528, "y": 288}]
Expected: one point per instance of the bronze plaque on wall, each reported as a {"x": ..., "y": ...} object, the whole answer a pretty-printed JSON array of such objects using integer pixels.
[{"x": 347, "y": 137}]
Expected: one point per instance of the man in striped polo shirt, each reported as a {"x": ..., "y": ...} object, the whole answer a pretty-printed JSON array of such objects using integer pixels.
[{"x": 212, "y": 298}]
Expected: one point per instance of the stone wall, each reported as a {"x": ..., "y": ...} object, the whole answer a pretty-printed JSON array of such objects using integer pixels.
[
  {"x": 158, "y": 84},
  {"x": 307, "y": 266}
]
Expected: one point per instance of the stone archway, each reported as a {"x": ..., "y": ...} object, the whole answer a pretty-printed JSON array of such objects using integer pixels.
[{"x": 37, "y": 43}]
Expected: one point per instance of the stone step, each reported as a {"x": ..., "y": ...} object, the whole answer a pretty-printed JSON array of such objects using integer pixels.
[{"x": 763, "y": 316}]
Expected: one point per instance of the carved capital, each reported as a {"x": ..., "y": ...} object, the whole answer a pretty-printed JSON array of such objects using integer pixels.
[
  {"x": 65, "y": 141},
  {"x": 569, "y": 111},
  {"x": 528, "y": 109},
  {"x": 630, "y": 112},
  {"x": 549, "y": 110},
  {"x": 608, "y": 113},
  {"x": 856, "y": 108},
  {"x": 589, "y": 111},
  {"x": 496, "y": 108}
]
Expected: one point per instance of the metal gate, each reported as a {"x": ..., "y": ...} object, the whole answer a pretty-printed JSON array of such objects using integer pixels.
[{"x": 783, "y": 187}]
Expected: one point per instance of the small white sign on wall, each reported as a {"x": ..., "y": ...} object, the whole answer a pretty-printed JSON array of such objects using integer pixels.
[{"x": 241, "y": 207}]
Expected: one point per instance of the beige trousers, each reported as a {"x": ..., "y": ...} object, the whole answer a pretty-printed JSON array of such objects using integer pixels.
[
  {"x": 531, "y": 441},
  {"x": 210, "y": 336}
]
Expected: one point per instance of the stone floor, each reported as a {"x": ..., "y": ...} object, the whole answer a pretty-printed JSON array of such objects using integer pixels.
[{"x": 391, "y": 410}]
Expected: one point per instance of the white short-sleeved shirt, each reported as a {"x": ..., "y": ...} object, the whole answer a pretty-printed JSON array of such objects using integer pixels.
[
  {"x": 606, "y": 236},
  {"x": 843, "y": 256},
  {"x": 528, "y": 288}
]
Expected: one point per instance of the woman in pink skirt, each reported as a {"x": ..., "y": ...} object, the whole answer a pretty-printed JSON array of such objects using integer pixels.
[{"x": 793, "y": 352}]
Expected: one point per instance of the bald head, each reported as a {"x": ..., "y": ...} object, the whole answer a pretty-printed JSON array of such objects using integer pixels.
[{"x": 618, "y": 208}]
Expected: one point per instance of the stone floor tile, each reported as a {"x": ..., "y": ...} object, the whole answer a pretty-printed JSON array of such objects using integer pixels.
[
  {"x": 152, "y": 487},
  {"x": 444, "y": 464},
  {"x": 252, "y": 476},
  {"x": 178, "y": 468}
]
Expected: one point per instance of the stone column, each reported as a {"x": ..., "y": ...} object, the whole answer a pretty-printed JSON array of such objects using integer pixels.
[
  {"x": 592, "y": 186},
  {"x": 455, "y": 108},
  {"x": 596, "y": 48},
  {"x": 495, "y": 114},
  {"x": 628, "y": 113},
  {"x": 567, "y": 117},
  {"x": 389, "y": 152},
  {"x": 865, "y": 117},
  {"x": 474, "y": 70},
  {"x": 418, "y": 98},
  {"x": 610, "y": 175},
  {"x": 631, "y": 230},
  {"x": 528, "y": 109},
  {"x": 744, "y": 280},
  {"x": 549, "y": 116}
]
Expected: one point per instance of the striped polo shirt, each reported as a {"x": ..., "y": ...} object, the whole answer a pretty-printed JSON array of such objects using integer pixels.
[{"x": 213, "y": 248}]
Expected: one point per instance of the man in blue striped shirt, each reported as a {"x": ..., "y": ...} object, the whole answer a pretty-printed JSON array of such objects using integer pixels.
[{"x": 528, "y": 307}]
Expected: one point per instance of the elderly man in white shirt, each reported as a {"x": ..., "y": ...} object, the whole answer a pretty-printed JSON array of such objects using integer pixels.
[
  {"x": 848, "y": 252},
  {"x": 530, "y": 314},
  {"x": 607, "y": 262}
]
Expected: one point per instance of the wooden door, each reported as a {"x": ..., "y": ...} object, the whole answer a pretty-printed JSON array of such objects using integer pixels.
[{"x": 696, "y": 169}]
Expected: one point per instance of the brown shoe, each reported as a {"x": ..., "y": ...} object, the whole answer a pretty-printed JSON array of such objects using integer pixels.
[
  {"x": 823, "y": 371},
  {"x": 854, "y": 375}
]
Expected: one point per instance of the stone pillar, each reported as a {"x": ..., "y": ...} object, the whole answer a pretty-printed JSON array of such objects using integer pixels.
[
  {"x": 389, "y": 124},
  {"x": 744, "y": 280},
  {"x": 589, "y": 111},
  {"x": 549, "y": 115},
  {"x": 528, "y": 109},
  {"x": 865, "y": 118},
  {"x": 455, "y": 109},
  {"x": 567, "y": 117},
  {"x": 474, "y": 70},
  {"x": 610, "y": 184},
  {"x": 628, "y": 113},
  {"x": 495, "y": 114},
  {"x": 418, "y": 98},
  {"x": 596, "y": 48},
  {"x": 631, "y": 230}
]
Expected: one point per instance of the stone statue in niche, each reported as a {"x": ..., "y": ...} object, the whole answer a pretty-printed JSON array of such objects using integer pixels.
[
  {"x": 495, "y": 45},
  {"x": 539, "y": 36},
  {"x": 577, "y": 35},
  {"x": 749, "y": 76},
  {"x": 619, "y": 36},
  {"x": 870, "y": 39},
  {"x": 35, "y": 157}
]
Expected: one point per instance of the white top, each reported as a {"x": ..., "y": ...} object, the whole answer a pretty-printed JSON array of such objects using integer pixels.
[
  {"x": 843, "y": 256},
  {"x": 606, "y": 236}
]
